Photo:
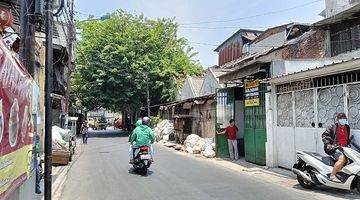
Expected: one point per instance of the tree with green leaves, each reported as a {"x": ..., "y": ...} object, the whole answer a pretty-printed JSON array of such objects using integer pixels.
[{"x": 118, "y": 57}]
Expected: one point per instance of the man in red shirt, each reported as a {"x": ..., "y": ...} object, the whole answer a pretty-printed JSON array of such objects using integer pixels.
[
  {"x": 231, "y": 131},
  {"x": 337, "y": 134}
]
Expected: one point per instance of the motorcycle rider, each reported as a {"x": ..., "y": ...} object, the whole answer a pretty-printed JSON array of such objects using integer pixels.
[
  {"x": 337, "y": 134},
  {"x": 142, "y": 136}
]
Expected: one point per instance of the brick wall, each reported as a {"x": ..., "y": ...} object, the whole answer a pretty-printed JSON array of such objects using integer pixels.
[{"x": 312, "y": 46}]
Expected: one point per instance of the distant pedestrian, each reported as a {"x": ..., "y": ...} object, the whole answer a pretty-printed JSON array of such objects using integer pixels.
[
  {"x": 84, "y": 132},
  {"x": 231, "y": 131}
]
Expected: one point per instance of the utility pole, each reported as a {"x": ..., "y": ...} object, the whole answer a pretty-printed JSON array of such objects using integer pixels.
[
  {"x": 148, "y": 95},
  {"x": 70, "y": 58},
  {"x": 48, "y": 90},
  {"x": 27, "y": 35}
]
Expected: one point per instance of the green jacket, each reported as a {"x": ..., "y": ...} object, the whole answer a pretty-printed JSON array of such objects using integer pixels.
[{"x": 143, "y": 135}]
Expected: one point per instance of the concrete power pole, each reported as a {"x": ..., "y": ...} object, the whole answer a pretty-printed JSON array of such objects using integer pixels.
[
  {"x": 70, "y": 40},
  {"x": 27, "y": 35},
  {"x": 48, "y": 90},
  {"x": 148, "y": 95}
]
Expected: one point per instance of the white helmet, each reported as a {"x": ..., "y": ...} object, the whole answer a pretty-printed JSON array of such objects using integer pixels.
[{"x": 146, "y": 121}]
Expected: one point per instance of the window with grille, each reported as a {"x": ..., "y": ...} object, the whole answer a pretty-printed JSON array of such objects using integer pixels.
[{"x": 346, "y": 40}]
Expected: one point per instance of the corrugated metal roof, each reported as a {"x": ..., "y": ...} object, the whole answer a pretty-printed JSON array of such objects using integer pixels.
[
  {"x": 217, "y": 71},
  {"x": 273, "y": 79},
  {"x": 351, "y": 13},
  {"x": 237, "y": 33}
]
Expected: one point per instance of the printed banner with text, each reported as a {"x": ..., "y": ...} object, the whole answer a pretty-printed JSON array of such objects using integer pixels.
[{"x": 15, "y": 122}]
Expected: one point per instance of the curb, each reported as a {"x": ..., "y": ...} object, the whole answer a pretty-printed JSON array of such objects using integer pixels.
[
  {"x": 59, "y": 182},
  {"x": 57, "y": 186}
]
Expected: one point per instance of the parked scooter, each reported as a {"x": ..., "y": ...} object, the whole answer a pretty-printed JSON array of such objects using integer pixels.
[
  {"x": 313, "y": 169},
  {"x": 142, "y": 160}
]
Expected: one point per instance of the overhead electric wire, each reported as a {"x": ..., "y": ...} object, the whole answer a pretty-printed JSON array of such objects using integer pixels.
[
  {"x": 271, "y": 46},
  {"x": 253, "y": 16}
]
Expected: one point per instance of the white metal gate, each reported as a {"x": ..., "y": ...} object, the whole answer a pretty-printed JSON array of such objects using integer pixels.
[{"x": 302, "y": 115}]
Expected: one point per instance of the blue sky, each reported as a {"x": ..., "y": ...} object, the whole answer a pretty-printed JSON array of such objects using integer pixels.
[{"x": 218, "y": 19}]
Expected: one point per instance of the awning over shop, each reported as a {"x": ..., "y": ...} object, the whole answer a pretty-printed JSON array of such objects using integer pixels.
[
  {"x": 335, "y": 68},
  {"x": 187, "y": 105},
  {"x": 239, "y": 73}
]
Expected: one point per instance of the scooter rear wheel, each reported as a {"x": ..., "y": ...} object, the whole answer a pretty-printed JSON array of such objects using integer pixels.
[
  {"x": 358, "y": 184},
  {"x": 305, "y": 184},
  {"x": 144, "y": 171}
]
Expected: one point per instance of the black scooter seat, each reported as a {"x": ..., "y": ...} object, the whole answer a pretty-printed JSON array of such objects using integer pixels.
[{"x": 328, "y": 160}]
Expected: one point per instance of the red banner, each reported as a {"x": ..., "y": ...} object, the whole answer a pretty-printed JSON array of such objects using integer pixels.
[
  {"x": 6, "y": 18},
  {"x": 15, "y": 122}
]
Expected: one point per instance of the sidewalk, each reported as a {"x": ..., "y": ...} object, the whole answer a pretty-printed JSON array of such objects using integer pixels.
[
  {"x": 278, "y": 176},
  {"x": 59, "y": 174}
]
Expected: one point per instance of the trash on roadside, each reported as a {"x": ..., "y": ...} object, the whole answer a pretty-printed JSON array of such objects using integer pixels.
[
  {"x": 60, "y": 146},
  {"x": 194, "y": 144},
  {"x": 163, "y": 130}
]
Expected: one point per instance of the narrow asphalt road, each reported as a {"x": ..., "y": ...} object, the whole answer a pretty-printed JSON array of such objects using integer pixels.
[{"x": 102, "y": 172}]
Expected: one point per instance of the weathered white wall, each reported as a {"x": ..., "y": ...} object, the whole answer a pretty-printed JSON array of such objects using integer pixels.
[
  {"x": 209, "y": 85},
  {"x": 186, "y": 92},
  {"x": 281, "y": 67},
  {"x": 334, "y": 7}
]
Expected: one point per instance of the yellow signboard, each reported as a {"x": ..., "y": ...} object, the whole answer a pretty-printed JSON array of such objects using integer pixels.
[
  {"x": 252, "y": 102},
  {"x": 14, "y": 169},
  {"x": 252, "y": 93}
]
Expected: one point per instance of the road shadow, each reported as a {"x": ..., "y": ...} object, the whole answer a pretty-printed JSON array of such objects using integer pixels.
[
  {"x": 132, "y": 171},
  {"x": 107, "y": 134},
  {"x": 338, "y": 193}
]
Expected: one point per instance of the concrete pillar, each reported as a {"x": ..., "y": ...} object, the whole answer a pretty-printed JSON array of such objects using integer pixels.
[{"x": 271, "y": 155}]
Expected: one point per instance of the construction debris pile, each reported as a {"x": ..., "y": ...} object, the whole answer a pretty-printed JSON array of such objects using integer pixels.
[
  {"x": 164, "y": 130},
  {"x": 194, "y": 144}
]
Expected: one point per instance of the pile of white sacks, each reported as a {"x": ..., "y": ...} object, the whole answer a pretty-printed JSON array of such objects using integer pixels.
[
  {"x": 194, "y": 144},
  {"x": 163, "y": 130}
]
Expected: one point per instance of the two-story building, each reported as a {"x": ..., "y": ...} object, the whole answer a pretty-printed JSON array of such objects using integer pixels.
[{"x": 303, "y": 103}]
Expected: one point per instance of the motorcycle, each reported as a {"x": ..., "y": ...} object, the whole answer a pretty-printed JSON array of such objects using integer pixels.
[
  {"x": 142, "y": 160},
  {"x": 312, "y": 169}
]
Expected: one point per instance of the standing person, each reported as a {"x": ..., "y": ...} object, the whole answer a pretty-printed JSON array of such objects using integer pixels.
[
  {"x": 84, "y": 133},
  {"x": 231, "y": 131},
  {"x": 337, "y": 134}
]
